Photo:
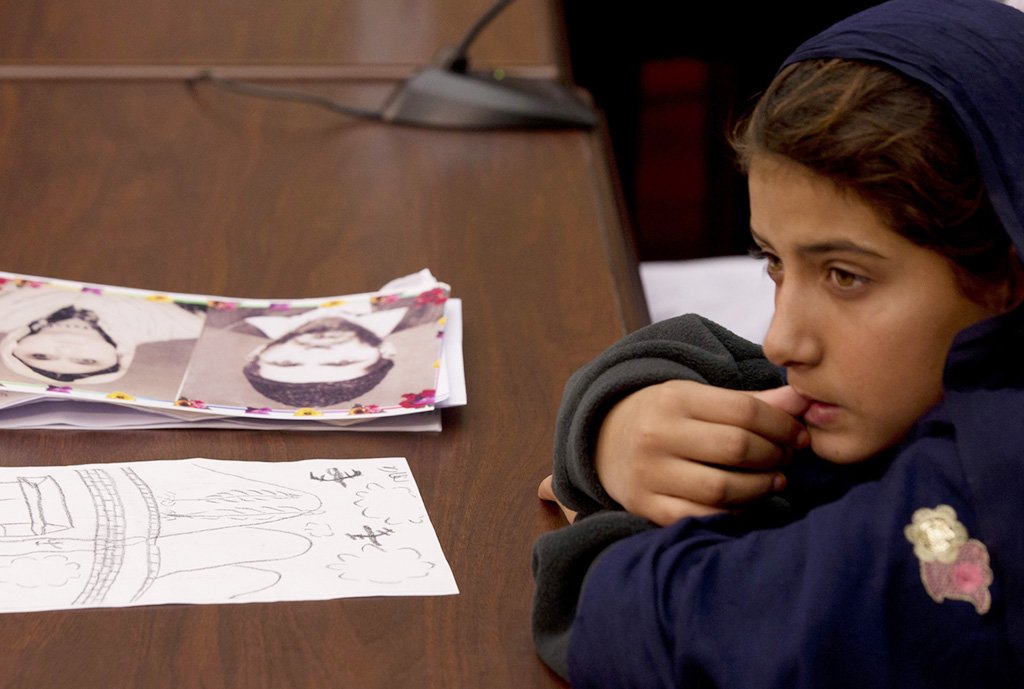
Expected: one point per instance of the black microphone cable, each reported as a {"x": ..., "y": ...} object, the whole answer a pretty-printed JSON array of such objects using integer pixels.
[
  {"x": 248, "y": 88},
  {"x": 455, "y": 59}
]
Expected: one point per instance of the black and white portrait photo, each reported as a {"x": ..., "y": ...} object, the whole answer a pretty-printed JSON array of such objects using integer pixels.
[
  {"x": 105, "y": 341},
  {"x": 322, "y": 357}
]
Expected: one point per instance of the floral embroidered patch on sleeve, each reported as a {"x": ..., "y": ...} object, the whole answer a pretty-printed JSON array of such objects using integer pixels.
[{"x": 952, "y": 565}]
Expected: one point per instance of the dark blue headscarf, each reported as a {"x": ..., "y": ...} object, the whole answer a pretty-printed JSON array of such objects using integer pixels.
[{"x": 970, "y": 53}]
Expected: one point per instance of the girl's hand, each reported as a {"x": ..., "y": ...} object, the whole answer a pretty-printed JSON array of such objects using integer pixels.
[
  {"x": 682, "y": 449},
  {"x": 544, "y": 492}
]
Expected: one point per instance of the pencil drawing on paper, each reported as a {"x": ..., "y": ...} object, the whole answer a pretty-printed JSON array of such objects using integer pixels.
[
  {"x": 208, "y": 531},
  {"x": 375, "y": 564}
]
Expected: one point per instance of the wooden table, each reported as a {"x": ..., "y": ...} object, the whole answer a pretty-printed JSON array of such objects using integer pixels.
[
  {"x": 382, "y": 38},
  {"x": 148, "y": 183}
]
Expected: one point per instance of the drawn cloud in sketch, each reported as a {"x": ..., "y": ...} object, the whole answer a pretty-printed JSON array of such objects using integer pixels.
[
  {"x": 318, "y": 529},
  {"x": 395, "y": 505},
  {"x": 37, "y": 571},
  {"x": 374, "y": 564}
]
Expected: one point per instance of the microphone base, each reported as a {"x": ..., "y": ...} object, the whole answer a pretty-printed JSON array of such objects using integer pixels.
[{"x": 446, "y": 99}]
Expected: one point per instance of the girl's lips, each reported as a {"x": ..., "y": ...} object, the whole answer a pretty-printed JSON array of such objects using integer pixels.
[{"x": 821, "y": 414}]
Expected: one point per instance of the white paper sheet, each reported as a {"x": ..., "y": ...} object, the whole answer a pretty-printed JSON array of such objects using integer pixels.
[
  {"x": 214, "y": 531},
  {"x": 733, "y": 291}
]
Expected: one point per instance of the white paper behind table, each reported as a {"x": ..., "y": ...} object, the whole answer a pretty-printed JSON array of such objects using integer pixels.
[{"x": 733, "y": 291}]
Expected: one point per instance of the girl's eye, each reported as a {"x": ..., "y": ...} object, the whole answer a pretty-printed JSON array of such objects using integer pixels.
[
  {"x": 773, "y": 264},
  {"x": 844, "y": 279}
]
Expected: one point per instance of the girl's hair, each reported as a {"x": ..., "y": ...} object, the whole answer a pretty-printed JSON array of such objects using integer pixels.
[{"x": 883, "y": 136}]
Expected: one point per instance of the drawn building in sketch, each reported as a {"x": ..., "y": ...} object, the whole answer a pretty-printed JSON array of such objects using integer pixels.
[{"x": 134, "y": 536}]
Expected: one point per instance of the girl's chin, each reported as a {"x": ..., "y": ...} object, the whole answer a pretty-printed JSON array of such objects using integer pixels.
[{"x": 840, "y": 448}]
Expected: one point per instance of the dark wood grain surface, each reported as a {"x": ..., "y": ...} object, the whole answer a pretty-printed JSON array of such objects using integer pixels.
[
  {"x": 270, "y": 32},
  {"x": 151, "y": 184}
]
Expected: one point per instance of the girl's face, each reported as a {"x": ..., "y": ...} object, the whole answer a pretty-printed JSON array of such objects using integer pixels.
[
  {"x": 326, "y": 350},
  {"x": 318, "y": 357},
  {"x": 863, "y": 318},
  {"x": 69, "y": 346}
]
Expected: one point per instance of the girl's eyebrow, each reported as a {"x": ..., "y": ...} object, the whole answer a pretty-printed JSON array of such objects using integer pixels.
[
  {"x": 839, "y": 245},
  {"x": 827, "y": 247}
]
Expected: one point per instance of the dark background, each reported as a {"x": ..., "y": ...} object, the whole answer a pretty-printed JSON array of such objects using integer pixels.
[{"x": 670, "y": 78}]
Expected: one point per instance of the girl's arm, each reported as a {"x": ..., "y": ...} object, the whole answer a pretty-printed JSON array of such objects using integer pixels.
[{"x": 656, "y": 424}]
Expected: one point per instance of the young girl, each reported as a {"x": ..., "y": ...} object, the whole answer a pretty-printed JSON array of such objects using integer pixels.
[{"x": 860, "y": 525}]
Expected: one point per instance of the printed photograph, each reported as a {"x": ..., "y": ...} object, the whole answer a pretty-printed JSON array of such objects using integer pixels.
[
  {"x": 370, "y": 355},
  {"x": 97, "y": 341}
]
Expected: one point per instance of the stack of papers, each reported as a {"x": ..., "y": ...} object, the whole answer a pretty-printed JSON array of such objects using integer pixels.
[{"x": 80, "y": 355}]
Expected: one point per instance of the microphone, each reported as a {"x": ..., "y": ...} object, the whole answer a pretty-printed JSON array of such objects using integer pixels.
[{"x": 447, "y": 95}]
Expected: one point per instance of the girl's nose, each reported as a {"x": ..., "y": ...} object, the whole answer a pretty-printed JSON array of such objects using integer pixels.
[{"x": 792, "y": 338}]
